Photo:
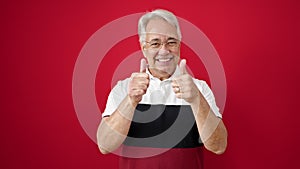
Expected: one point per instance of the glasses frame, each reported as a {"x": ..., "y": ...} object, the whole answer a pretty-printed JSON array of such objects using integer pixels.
[{"x": 165, "y": 43}]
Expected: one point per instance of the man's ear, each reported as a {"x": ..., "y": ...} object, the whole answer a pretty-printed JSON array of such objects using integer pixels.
[{"x": 143, "y": 48}]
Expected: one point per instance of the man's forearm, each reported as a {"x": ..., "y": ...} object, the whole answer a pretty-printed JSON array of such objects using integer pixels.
[
  {"x": 211, "y": 128},
  {"x": 113, "y": 130}
]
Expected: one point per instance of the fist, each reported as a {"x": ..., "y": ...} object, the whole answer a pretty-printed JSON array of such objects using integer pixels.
[
  {"x": 138, "y": 84},
  {"x": 184, "y": 86}
]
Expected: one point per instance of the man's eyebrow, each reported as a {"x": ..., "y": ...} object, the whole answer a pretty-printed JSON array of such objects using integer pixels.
[
  {"x": 158, "y": 39},
  {"x": 171, "y": 38},
  {"x": 155, "y": 39}
]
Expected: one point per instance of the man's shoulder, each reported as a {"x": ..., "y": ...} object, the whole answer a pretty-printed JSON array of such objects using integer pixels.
[
  {"x": 200, "y": 82},
  {"x": 122, "y": 83},
  {"x": 202, "y": 86}
]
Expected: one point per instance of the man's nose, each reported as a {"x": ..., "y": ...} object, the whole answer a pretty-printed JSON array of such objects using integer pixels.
[{"x": 163, "y": 50}]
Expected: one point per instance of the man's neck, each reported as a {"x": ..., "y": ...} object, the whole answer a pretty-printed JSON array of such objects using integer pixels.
[{"x": 161, "y": 75}]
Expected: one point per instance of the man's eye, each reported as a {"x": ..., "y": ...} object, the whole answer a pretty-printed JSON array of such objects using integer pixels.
[
  {"x": 155, "y": 44},
  {"x": 172, "y": 43}
]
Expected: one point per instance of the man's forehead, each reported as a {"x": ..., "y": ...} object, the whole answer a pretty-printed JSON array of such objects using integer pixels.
[
  {"x": 156, "y": 36},
  {"x": 159, "y": 28}
]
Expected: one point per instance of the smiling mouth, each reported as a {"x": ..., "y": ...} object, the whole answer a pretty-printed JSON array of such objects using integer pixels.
[{"x": 164, "y": 59}]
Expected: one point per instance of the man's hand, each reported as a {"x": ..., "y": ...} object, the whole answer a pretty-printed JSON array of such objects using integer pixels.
[
  {"x": 184, "y": 86},
  {"x": 138, "y": 84}
]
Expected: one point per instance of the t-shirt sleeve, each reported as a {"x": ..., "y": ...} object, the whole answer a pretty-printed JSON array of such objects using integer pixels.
[
  {"x": 115, "y": 97},
  {"x": 209, "y": 96}
]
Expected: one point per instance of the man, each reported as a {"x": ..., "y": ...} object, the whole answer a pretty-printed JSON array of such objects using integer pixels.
[{"x": 161, "y": 116}]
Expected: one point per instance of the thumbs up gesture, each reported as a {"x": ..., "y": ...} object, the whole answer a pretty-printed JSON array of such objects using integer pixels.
[
  {"x": 184, "y": 86},
  {"x": 138, "y": 84}
]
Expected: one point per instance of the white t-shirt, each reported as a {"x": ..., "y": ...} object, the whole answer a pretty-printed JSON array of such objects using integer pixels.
[{"x": 158, "y": 92}]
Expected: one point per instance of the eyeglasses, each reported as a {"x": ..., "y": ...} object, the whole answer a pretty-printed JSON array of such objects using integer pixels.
[{"x": 156, "y": 44}]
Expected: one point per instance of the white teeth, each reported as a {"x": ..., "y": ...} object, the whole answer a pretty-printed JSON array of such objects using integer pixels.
[{"x": 163, "y": 60}]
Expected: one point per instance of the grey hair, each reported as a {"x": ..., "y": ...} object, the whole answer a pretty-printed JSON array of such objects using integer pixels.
[{"x": 159, "y": 13}]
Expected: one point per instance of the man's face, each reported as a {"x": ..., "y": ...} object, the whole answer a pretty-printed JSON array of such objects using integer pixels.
[{"x": 162, "y": 48}]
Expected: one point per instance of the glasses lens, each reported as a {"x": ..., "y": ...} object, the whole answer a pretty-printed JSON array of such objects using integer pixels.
[
  {"x": 172, "y": 44},
  {"x": 157, "y": 44}
]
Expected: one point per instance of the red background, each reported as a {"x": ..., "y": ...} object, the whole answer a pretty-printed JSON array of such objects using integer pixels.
[{"x": 258, "y": 43}]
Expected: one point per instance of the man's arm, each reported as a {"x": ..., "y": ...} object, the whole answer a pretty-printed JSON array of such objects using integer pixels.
[
  {"x": 113, "y": 130},
  {"x": 210, "y": 127}
]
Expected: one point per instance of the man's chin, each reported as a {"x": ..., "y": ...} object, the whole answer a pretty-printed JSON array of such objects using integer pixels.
[{"x": 163, "y": 72}]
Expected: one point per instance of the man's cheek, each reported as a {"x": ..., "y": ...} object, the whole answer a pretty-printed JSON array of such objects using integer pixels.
[
  {"x": 176, "y": 59},
  {"x": 151, "y": 61}
]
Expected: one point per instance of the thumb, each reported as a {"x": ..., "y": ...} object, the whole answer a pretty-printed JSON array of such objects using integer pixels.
[
  {"x": 143, "y": 66},
  {"x": 182, "y": 66}
]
